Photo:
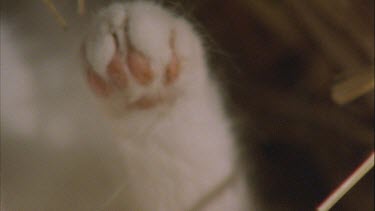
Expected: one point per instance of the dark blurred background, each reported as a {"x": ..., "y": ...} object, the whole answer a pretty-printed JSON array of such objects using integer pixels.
[{"x": 280, "y": 60}]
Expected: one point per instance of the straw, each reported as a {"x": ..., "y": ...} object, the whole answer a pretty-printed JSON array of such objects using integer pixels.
[
  {"x": 56, "y": 13},
  {"x": 347, "y": 184}
]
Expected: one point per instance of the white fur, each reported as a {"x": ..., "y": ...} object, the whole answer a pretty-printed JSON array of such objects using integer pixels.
[{"x": 164, "y": 158}]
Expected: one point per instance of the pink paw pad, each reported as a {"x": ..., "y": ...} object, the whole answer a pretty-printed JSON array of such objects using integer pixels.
[{"x": 132, "y": 66}]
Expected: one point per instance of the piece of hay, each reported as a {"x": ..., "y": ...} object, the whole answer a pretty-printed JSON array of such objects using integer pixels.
[
  {"x": 60, "y": 19},
  {"x": 81, "y": 7},
  {"x": 353, "y": 87},
  {"x": 347, "y": 184}
]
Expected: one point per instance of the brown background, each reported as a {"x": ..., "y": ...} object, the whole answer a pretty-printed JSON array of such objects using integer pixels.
[{"x": 279, "y": 61}]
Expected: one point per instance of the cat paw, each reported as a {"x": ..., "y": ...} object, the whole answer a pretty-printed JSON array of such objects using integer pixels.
[{"x": 141, "y": 55}]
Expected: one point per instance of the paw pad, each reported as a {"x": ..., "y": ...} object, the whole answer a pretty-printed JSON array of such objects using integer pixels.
[{"x": 130, "y": 70}]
